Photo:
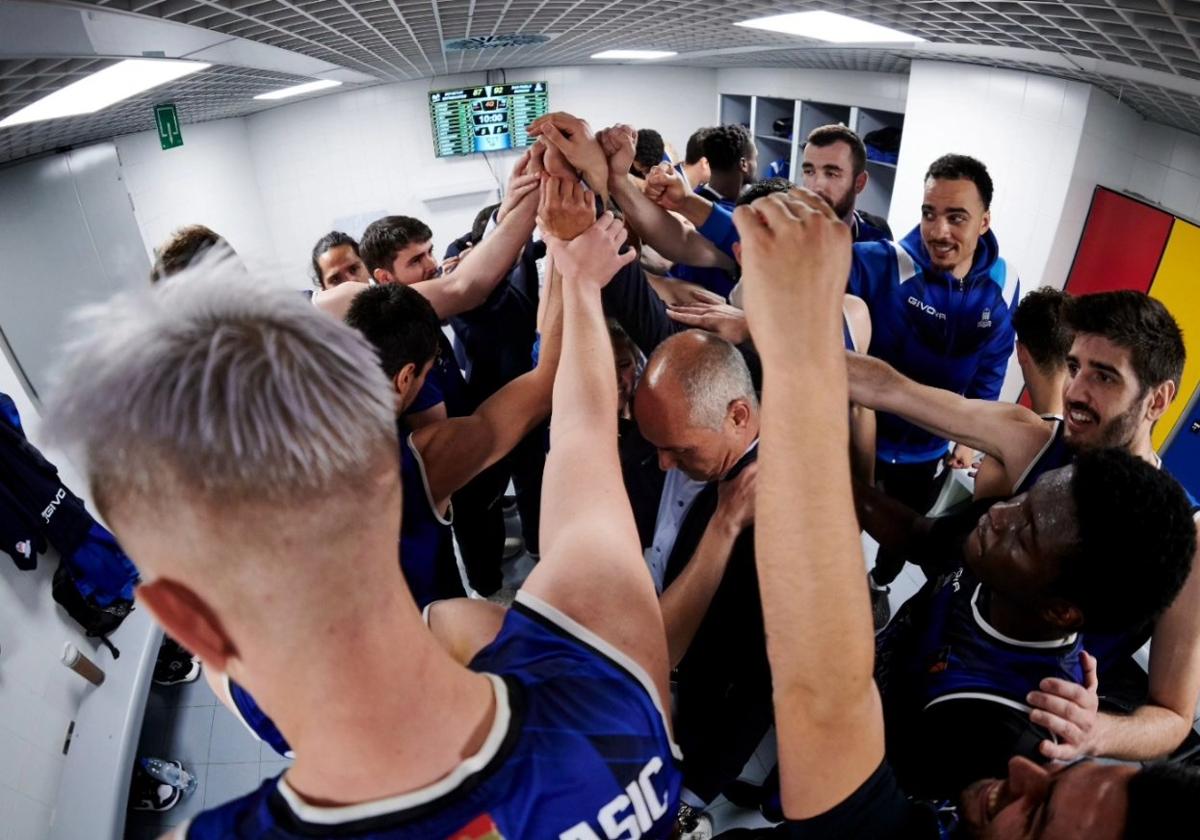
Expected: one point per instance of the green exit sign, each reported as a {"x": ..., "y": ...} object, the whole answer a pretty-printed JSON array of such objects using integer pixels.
[{"x": 167, "y": 119}]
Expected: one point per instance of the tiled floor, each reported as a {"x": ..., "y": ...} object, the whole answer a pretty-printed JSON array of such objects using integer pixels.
[{"x": 188, "y": 724}]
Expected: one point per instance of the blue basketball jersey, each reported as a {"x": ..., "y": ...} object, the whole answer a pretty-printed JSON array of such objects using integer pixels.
[
  {"x": 426, "y": 547},
  {"x": 579, "y": 750},
  {"x": 256, "y": 720},
  {"x": 940, "y": 647},
  {"x": 1056, "y": 453}
]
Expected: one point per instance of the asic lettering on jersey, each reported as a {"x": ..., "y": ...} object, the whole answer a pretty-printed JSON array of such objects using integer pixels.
[{"x": 630, "y": 814}]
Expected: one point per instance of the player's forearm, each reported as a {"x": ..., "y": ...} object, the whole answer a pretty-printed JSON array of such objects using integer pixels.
[
  {"x": 819, "y": 633},
  {"x": 585, "y": 389},
  {"x": 685, "y": 602},
  {"x": 489, "y": 262},
  {"x": 664, "y": 232},
  {"x": 696, "y": 209},
  {"x": 1149, "y": 733},
  {"x": 985, "y": 426}
]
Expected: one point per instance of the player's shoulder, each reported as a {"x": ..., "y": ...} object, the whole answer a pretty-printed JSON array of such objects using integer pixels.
[
  {"x": 246, "y": 816},
  {"x": 564, "y": 666}
]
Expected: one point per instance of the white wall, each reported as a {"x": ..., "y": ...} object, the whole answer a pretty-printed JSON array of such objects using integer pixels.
[
  {"x": 38, "y": 696},
  {"x": 884, "y": 91},
  {"x": 1122, "y": 151},
  {"x": 209, "y": 180},
  {"x": 346, "y": 159}
]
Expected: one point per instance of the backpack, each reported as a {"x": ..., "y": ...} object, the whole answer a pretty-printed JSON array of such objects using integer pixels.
[{"x": 95, "y": 586}]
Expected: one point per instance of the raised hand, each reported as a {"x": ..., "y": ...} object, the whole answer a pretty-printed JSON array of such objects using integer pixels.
[
  {"x": 592, "y": 258},
  {"x": 727, "y": 321},
  {"x": 795, "y": 261},
  {"x": 735, "y": 498},
  {"x": 521, "y": 192},
  {"x": 573, "y": 137},
  {"x": 566, "y": 208},
  {"x": 619, "y": 144},
  {"x": 665, "y": 188},
  {"x": 1070, "y": 712},
  {"x": 521, "y": 182}
]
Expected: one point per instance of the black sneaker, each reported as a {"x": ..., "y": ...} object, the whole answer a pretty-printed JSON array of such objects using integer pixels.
[
  {"x": 175, "y": 665},
  {"x": 149, "y": 794},
  {"x": 881, "y": 607}
]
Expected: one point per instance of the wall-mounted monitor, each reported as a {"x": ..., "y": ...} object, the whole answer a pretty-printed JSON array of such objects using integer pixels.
[{"x": 486, "y": 118}]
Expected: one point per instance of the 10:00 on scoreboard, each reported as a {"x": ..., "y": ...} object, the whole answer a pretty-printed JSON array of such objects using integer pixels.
[{"x": 487, "y": 118}]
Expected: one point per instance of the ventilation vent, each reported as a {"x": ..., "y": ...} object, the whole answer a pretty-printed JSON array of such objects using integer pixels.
[{"x": 488, "y": 42}]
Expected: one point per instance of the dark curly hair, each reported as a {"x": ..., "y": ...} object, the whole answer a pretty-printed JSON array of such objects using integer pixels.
[
  {"x": 1136, "y": 541},
  {"x": 384, "y": 237},
  {"x": 726, "y": 145},
  {"x": 1162, "y": 800},
  {"x": 330, "y": 240},
  {"x": 650, "y": 150},
  {"x": 764, "y": 187},
  {"x": 1041, "y": 330},
  {"x": 401, "y": 324},
  {"x": 1140, "y": 324},
  {"x": 695, "y": 146},
  {"x": 183, "y": 247},
  {"x": 963, "y": 167}
]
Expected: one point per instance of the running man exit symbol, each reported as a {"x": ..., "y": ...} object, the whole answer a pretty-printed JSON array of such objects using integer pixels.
[{"x": 168, "y": 126}]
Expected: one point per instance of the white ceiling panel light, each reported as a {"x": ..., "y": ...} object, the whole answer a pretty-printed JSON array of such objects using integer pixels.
[
  {"x": 103, "y": 88},
  {"x": 831, "y": 27},
  {"x": 298, "y": 90},
  {"x": 642, "y": 55}
]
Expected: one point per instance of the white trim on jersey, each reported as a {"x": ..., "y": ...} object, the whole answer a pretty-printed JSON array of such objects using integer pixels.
[
  {"x": 318, "y": 815},
  {"x": 996, "y": 634},
  {"x": 1028, "y": 469},
  {"x": 237, "y": 713},
  {"x": 449, "y": 518},
  {"x": 571, "y": 626},
  {"x": 980, "y": 695},
  {"x": 905, "y": 267},
  {"x": 990, "y": 698}
]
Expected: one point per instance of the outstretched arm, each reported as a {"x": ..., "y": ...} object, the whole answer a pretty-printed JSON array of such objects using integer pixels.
[
  {"x": 796, "y": 255},
  {"x": 488, "y": 263},
  {"x": 592, "y": 568},
  {"x": 457, "y": 450},
  {"x": 1158, "y": 726},
  {"x": 1008, "y": 432},
  {"x": 664, "y": 232},
  {"x": 686, "y": 601}
]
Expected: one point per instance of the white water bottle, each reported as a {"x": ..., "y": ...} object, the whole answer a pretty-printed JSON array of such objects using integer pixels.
[{"x": 170, "y": 773}]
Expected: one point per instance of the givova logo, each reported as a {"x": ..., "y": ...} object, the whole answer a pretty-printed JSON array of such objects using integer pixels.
[{"x": 927, "y": 308}]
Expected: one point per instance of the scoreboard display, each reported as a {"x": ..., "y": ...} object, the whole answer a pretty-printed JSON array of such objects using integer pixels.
[{"x": 487, "y": 118}]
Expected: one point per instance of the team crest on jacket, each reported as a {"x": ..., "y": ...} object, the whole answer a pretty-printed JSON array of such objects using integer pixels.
[
  {"x": 482, "y": 827},
  {"x": 986, "y": 320}
]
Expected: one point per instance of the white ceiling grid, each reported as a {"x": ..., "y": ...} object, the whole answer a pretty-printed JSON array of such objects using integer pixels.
[{"x": 394, "y": 40}]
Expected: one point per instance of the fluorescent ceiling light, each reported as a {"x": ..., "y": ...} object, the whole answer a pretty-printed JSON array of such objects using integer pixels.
[
  {"x": 647, "y": 55},
  {"x": 104, "y": 87},
  {"x": 296, "y": 90},
  {"x": 829, "y": 26}
]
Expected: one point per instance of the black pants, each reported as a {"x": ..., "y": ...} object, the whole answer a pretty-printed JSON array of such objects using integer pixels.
[
  {"x": 479, "y": 527},
  {"x": 916, "y": 486},
  {"x": 528, "y": 460}
]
